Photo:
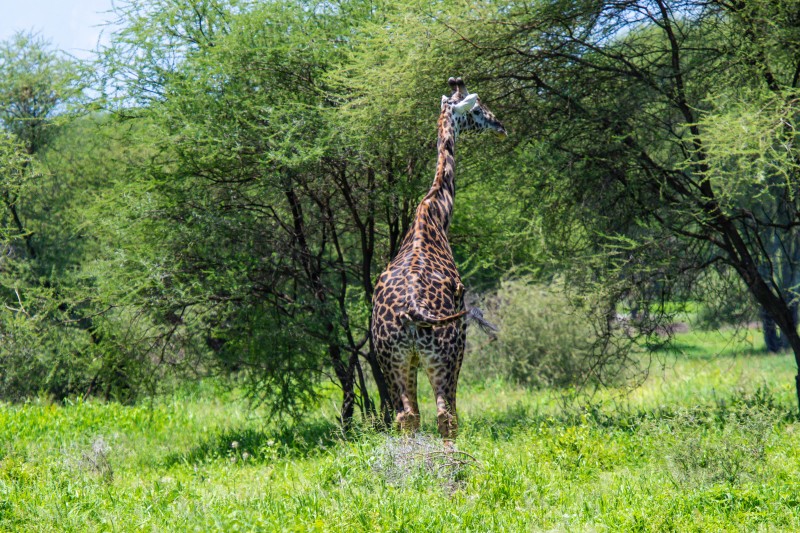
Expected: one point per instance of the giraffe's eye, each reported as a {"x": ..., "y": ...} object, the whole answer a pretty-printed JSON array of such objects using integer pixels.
[{"x": 478, "y": 111}]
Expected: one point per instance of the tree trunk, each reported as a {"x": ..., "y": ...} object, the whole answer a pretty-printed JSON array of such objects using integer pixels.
[
  {"x": 794, "y": 342},
  {"x": 783, "y": 312},
  {"x": 26, "y": 236},
  {"x": 792, "y": 339},
  {"x": 773, "y": 342},
  {"x": 387, "y": 412},
  {"x": 786, "y": 318},
  {"x": 345, "y": 373}
]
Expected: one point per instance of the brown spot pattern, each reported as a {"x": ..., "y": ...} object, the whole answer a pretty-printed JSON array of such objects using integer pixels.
[{"x": 418, "y": 304}]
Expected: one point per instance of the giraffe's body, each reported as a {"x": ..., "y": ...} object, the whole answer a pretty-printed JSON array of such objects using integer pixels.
[{"x": 418, "y": 304}]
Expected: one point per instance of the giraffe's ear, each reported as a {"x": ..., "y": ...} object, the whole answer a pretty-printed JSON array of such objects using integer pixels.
[
  {"x": 453, "y": 83},
  {"x": 466, "y": 105}
]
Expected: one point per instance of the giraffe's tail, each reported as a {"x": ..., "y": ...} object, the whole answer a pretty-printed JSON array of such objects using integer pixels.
[
  {"x": 476, "y": 315},
  {"x": 473, "y": 314},
  {"x": 422, "y": 318}
]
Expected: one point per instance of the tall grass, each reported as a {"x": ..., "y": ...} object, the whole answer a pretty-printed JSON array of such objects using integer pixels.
[{"x": 709, "y": 443}]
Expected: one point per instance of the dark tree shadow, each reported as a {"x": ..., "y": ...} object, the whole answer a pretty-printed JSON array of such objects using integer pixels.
[
  {"x": 260, "y": 445},
  {"x": 691, "y": 351},
  {"x": 739, "y": 403},
  {"x": 503, "y": 424}
]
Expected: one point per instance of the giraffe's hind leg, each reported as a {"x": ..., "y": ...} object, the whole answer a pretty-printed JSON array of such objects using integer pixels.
[
  {"x": 443, "y": 369},
  {"x": 407, "y": 407},
  {"x": 443, "y": 383}
]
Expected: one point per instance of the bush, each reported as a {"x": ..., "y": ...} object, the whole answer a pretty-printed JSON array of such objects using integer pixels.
[
  {"x": 730, "y": 451},
  {"x": 544, "y": 340},
  {"x": 35, "y": 358},
  {"x": 45, "y": 351}
]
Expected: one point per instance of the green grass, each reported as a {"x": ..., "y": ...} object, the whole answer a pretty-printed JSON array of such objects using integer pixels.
[{"x": 709, "y": 443}]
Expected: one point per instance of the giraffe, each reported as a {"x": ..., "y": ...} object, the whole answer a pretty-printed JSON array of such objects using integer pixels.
[{"x": 419, "y": 317}]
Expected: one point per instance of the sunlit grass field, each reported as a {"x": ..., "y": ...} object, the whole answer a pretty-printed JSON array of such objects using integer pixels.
[{"x": 710, "y": 442}]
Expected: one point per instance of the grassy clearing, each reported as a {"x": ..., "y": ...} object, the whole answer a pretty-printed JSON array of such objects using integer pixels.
[{"x": 707, "y": 444}]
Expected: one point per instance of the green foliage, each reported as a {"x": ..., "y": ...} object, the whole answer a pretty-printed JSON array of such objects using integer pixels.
[
  {"x": 753, "y": 163},
  {"x": 36, "y": 84},
  {"x": 256, "y": 257},
  {"x": 664, "y": 138},
  {"x": 48, "y": 350},
  {"x": 64, "y": 332},
  {"x": 34, "y": 357},
  {"x": 552, "y": 337},
  {"x": 751, "y": 139},
  {"x": 732, "y": 451},
  {"x": 286, "y": 144},
  {"x": 47, "y": 347},
  {"x": 16, "y": 176},
  {"x": 286, "y": 379},
  {"x": 725, "y": 303},
  {"x": 390, "y": 87}
]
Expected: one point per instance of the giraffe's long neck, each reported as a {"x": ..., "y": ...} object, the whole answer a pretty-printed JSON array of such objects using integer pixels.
[{"x": 443, "y": 191}]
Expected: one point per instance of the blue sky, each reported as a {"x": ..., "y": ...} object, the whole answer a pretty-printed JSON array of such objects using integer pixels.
[{"x": 71, "y": 25}]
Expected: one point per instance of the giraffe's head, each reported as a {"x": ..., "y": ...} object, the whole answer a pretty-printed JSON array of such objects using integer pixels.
[{"x": 469, "y": 113}]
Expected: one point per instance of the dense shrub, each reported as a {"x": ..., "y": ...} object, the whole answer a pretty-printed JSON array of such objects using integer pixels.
[
  {"x": 544, "y": 340},
  {"x": 46, "y": 351}
]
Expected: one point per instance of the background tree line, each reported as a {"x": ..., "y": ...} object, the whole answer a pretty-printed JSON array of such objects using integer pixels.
[{"x": 216, "y": 194}]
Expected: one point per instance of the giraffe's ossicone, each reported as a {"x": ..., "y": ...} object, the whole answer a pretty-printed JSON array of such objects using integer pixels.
[{"x": 418, "y": 314}]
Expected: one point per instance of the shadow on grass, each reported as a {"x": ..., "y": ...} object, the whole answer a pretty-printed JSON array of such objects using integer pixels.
[
  {"x": 692, "y": 351},
  {"x": 253, "y": 445},
  {"x": 504, "y": 424},
  {"x": 739, "y": 404}
]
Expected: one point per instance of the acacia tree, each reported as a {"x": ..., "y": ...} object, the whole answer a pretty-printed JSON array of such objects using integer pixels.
[
  {"x": 753, "y": 135},
  {"x": 290, "y": 143},
  {"x": 35, "y": 84},
  {"x": 622, "y": 98},
  {"x": 269, "y": 220},
  {"x": 46, "y": 347}
]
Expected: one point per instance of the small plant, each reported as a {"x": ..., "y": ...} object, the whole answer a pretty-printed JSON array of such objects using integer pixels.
[
  {"x": 96, "y": 460},
  {"x": 707, "y": 450},
  {"x": 744, "y": 402},
  {"x": 403, "y": 459}
]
